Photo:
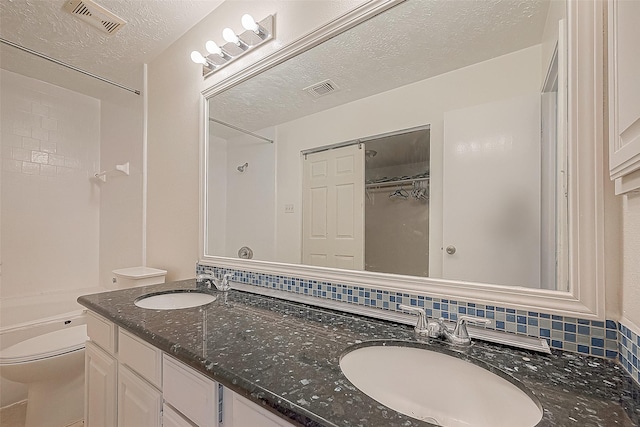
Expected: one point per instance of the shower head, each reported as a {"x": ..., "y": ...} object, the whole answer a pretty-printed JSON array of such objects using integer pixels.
[
  {"x": 369, "y": 154},
  {"x": 241, "y": 168}
]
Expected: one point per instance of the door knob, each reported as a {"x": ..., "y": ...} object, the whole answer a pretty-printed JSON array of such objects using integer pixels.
[{"x": 451, "y": 249}]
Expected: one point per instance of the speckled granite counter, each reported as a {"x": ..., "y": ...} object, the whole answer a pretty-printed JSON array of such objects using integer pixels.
[{"x": 286, "y": 356}]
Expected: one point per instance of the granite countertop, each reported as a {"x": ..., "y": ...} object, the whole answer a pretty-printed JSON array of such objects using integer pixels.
[{"x": 285, "y": 356}]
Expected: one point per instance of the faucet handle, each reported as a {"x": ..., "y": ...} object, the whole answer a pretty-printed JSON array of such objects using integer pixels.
[
  {"x": 225, "y": 281},
  {"x": 422, "y": 326},
  {"x": 460, "y": 330},
  {"x": 205, "y": 278}
]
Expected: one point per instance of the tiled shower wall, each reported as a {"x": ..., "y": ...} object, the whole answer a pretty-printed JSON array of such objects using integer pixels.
[
  {"x": 50, "y": 146},
  {"x": 590, "y": 337}
]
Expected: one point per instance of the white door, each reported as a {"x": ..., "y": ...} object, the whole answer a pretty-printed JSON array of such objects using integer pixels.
[
  {"x": 100, "y": 370},
  {"x": 333, "y": 208},
  {"x": 491, "y": 193}
]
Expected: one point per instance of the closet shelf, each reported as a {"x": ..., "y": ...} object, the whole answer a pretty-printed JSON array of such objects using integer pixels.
[{"x": 392, "y": 182}]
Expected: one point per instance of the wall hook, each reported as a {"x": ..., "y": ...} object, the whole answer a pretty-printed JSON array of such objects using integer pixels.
[{"x": 124, "y": 168}]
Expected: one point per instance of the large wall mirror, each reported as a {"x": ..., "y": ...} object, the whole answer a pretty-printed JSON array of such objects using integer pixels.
[{"x": 429, "y": 147}]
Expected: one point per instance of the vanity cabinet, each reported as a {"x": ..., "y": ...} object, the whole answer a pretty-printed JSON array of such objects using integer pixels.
[
  {"x": 122, "y": 378},
  {"x": 624, "y": 94},
  {"x": 129, "y": 382}
]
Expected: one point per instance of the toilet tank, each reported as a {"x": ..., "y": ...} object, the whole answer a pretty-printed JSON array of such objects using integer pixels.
[{"x": 137, "y": 276}]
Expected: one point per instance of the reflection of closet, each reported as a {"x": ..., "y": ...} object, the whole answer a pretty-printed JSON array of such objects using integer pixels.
[{"x": 397, "y": 203}]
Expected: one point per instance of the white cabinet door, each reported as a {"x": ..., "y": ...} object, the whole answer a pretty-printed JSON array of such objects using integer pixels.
[
  {"x": 624, "y": 93},
  {"x": 139, "y": 403},
  {"x": 241, "y": 412},
  {"x": 100, "y": 387},
  {"x": 333, "y": 208}
]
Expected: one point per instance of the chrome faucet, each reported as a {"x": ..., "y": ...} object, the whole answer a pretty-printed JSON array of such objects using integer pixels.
[
  {"x": 460, "y": 335},
  {"x": 424, "y": 326},
  {"x": 209, "y": 279},
  {"x": 438, "y": 329}
]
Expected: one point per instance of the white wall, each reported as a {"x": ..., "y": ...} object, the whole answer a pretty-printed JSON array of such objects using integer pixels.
[
  {"x": 418, "y": 104},
  {"x": 630, "y": 261},
  {"x": 251, "y": 197},
  {"x": 121, "y": 216},
  {"x": 217, "y": 196},
  {"x": 174, "y": 120},
  {"x": 50, "y": 208}
]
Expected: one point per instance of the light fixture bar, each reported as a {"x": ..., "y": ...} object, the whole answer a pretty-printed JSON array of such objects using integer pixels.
[{"x": 235, "y": 47}]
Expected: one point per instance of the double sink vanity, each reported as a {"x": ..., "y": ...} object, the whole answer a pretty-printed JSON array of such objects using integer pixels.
[{"x": 181, "y": 354}]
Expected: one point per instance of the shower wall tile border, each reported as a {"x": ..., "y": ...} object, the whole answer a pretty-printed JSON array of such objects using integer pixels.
[{"x": 589, "y": 337}]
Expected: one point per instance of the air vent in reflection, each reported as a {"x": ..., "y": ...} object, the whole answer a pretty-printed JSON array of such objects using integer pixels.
[
  {"x": 96, "y": 15},
  {"x": 321, "y": 89}
]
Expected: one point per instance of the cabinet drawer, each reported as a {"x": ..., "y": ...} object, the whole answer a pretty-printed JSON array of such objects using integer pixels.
[
  {"x": 140, "y": 356},
  {"x": 171, "y": 418},
  {"x": 246, "y": 413},
  {"x": 190, "y": 392},
  {"x": 102, "y": 332}
]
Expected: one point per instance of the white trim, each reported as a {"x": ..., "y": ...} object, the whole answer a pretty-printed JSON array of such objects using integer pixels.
[
  {"x": 628, "y": 183},
  {"x": 624, "y": 157},
  {"x": 203, "y": 165},
  {"x": 586, "y": 228},
  {"x": 145, "y": 160},
  {"x": 323, "y": 33}
]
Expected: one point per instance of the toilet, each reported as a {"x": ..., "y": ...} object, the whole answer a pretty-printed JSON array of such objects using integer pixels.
[
  {"x": 52, "y": 368},
  {"x": 137, "y": 276}
]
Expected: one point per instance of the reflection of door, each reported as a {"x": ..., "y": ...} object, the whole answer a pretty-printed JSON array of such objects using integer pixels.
[
  {"x": 491, "y": 194},
  {"x": 333, "y": 213}
]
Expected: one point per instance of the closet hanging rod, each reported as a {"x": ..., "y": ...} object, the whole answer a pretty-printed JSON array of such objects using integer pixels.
[
  {"x": 64, "y": 64},
  {"x": 394, "y": 183},
  {"x": 255, "y": 135}
]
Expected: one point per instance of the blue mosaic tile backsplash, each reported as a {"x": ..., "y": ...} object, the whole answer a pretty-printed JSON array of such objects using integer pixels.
[
  {"x": 629, "y": 349},
  {"x": 590, "y": 337}
]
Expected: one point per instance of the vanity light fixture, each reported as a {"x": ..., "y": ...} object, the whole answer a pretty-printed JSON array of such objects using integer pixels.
[{"x": 255, "y": 34}]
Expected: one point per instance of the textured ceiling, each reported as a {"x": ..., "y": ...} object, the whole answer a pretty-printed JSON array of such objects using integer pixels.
[
  {"x": 413, "y": 41},
  {"x": 43, "y": 25}
]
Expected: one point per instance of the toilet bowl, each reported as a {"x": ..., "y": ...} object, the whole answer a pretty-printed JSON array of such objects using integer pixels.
[{"x": 52, "y": 367}]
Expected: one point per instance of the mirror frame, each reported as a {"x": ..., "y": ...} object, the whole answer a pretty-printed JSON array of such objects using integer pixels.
[{"x": 585, "y": 85}]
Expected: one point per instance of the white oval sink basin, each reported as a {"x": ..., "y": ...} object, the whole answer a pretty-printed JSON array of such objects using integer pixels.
[
  {"x": 438, "y": 388},
  {"x": 174, "y": 300}
]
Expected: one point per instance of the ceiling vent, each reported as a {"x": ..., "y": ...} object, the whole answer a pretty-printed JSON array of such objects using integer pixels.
[
  {"x": 321, "y": 89},
  {"x": 94, "y": 14}
]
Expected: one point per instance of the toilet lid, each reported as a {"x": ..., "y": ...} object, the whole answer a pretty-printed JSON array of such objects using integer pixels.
[{"x": 48, "y": 345}]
